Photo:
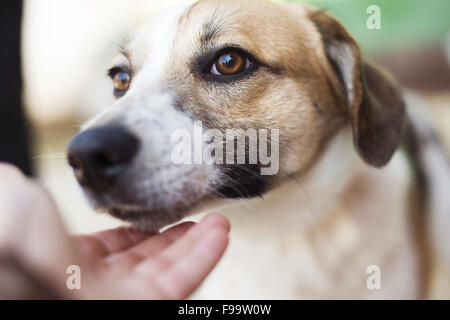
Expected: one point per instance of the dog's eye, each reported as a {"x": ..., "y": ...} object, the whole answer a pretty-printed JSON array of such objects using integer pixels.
[
  {"x": 121, "y": 76},
  {"x": 121, "y": 82},
  {"x": 230, "y": 63}
]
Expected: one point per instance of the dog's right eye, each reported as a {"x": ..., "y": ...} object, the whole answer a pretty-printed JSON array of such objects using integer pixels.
[{"x": 121, "y": 79}]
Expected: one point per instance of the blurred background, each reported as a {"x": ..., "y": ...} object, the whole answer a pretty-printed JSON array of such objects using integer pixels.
[{"x": 66, "y": 46}]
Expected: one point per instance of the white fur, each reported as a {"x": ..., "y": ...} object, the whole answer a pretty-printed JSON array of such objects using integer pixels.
[{"x": 152, "y": 45}]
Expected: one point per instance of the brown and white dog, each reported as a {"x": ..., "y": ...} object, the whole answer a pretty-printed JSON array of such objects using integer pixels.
[{"x": 313, "y": 229}]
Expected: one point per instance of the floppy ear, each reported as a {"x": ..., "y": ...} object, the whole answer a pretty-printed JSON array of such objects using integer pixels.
[{"x": 375, "y": 105}]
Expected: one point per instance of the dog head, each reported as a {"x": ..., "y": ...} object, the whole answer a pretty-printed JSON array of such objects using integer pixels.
[{"x": 282, "y": 77}]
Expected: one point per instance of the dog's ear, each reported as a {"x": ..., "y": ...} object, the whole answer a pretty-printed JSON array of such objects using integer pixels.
[{"x": 375, "y": 105}]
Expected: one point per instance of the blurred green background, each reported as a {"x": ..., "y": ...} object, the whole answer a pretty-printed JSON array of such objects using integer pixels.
[{"x": 405, "y": 23}]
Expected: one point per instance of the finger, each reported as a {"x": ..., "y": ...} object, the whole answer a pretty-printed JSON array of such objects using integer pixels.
[
  {"x": 182, "y": 245},
  {"x": 90, "y": 248},
  {"x": 186, "y": 274},
  {"x": 148, "y": 248},
  {"x": 211, "y": 221},
  {"x": 161, "y": 241},
  {"x": 108, "y": 241}
]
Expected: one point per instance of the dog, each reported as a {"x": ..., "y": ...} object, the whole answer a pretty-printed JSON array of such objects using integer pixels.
[{"x": 360, "y": 177}]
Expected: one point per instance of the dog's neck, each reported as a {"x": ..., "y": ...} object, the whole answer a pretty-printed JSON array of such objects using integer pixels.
[{"x": 306, "y": 199}]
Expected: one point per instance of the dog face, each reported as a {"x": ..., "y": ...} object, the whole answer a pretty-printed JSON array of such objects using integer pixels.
[{"x": 231, "y": 65}]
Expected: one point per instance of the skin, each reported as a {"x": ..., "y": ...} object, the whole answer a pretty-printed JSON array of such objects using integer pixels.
[{"x": 120, "y": 263}]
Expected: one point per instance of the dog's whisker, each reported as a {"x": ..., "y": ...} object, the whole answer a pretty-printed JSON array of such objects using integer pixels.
[{"x": 50, "y": 156}]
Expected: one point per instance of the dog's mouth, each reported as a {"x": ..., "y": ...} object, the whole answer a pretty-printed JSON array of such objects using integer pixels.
[
  {"x": 148, "y": 220},
  {"x": 129, "y": 214},
  {"x": 159, "y": 216}
]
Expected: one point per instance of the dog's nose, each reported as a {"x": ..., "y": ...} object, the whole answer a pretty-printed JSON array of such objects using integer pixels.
[{"x": 99, "y": 155}]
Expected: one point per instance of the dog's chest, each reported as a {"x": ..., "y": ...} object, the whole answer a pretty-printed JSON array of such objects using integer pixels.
[{"x": 298, "y": 245}]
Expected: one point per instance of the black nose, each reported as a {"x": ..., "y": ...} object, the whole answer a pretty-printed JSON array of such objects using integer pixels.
[{"x": 99, "y": 155}]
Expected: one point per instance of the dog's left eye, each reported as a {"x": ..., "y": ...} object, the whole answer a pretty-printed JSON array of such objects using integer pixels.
[{"x": 230, "y": 63}]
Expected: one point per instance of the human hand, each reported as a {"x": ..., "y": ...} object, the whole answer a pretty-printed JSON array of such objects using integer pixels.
[
  {"x": 168, "y": 265},
  {"x": 119, "y": 263}
]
